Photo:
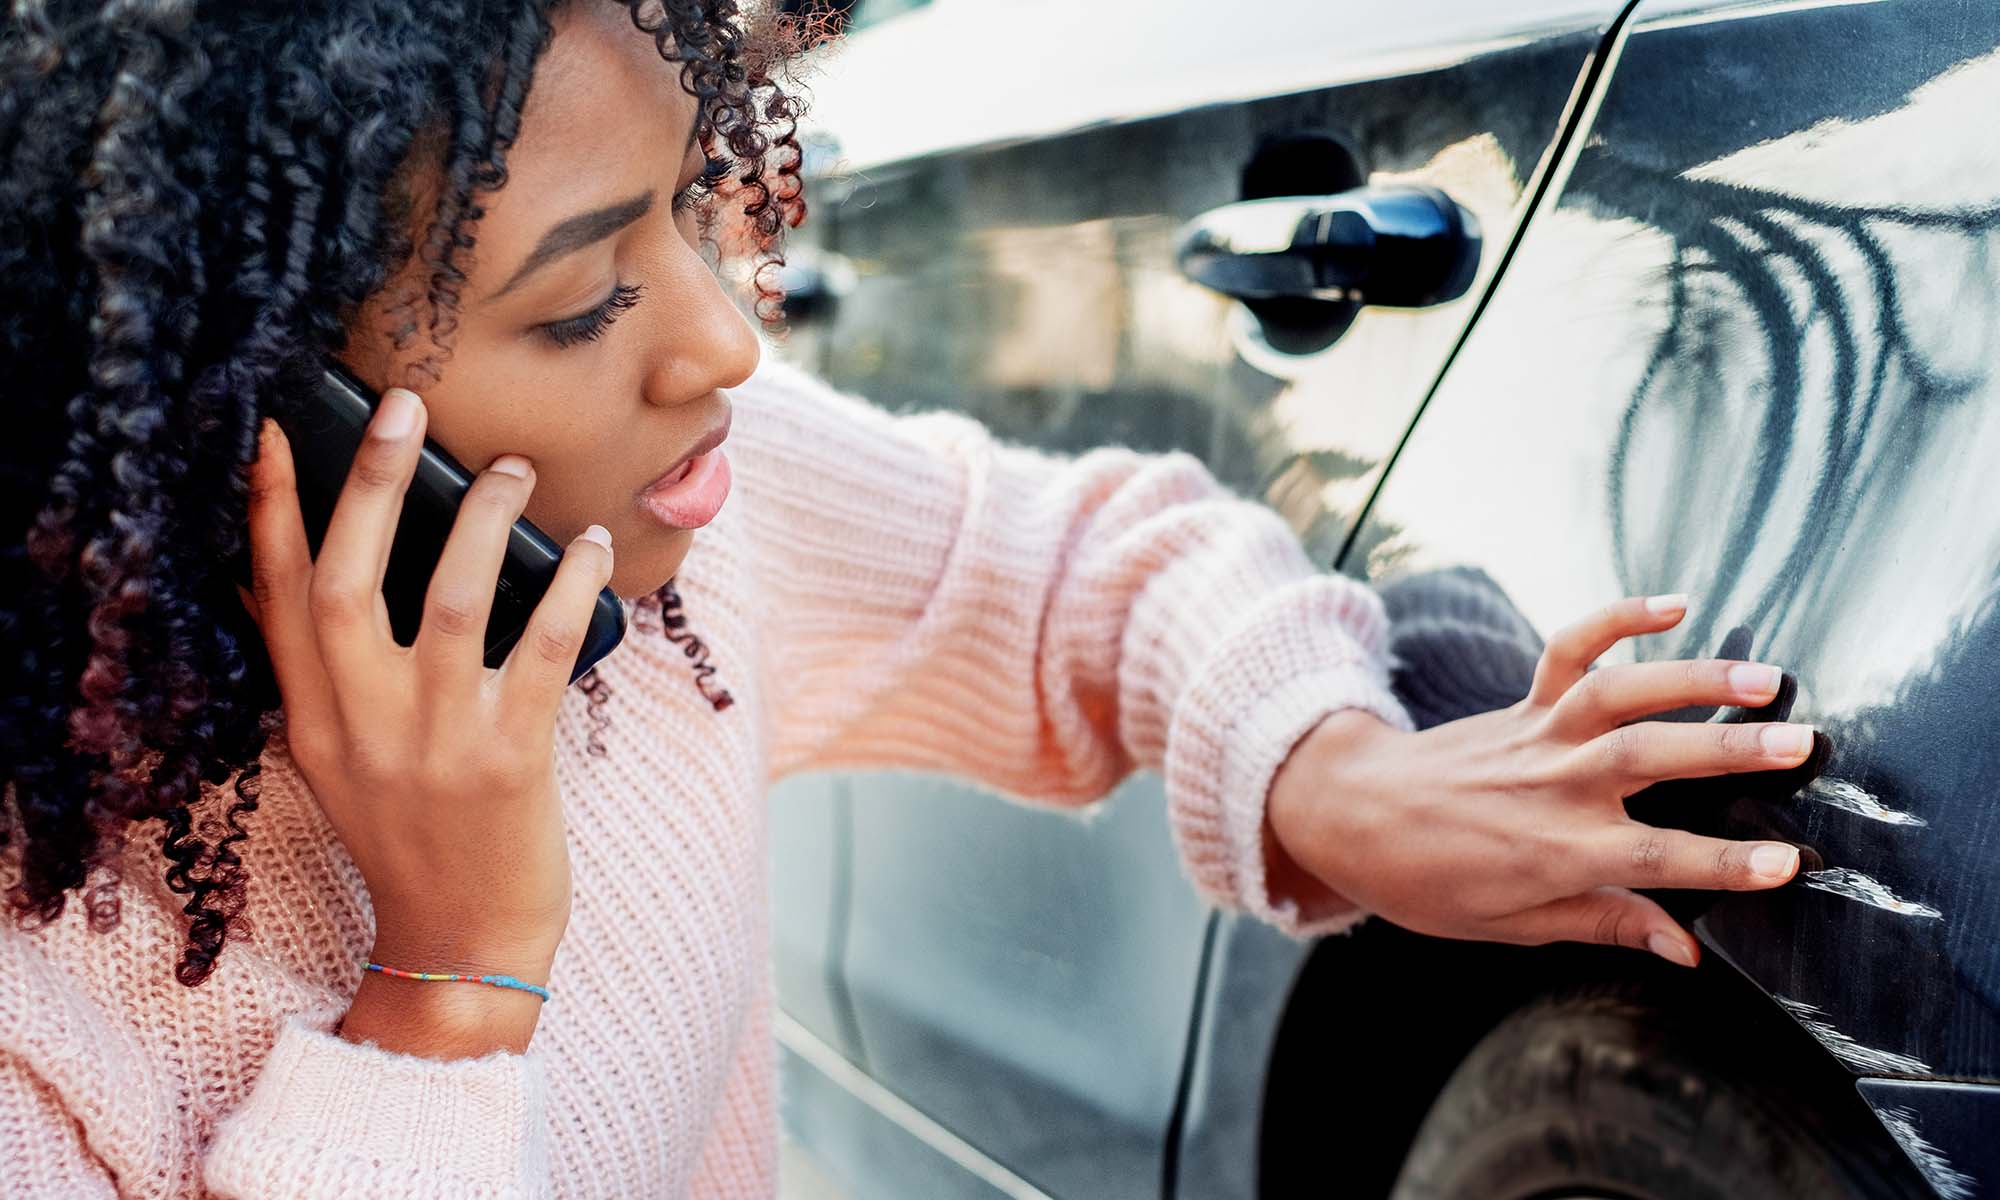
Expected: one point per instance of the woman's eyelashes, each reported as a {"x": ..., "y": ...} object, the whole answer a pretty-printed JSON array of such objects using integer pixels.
[
  {"x": 590, "y": 326},
  {"x": 701, "y": 186}
]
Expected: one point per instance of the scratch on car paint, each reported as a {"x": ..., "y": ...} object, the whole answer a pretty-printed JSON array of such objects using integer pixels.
[
  {"x": 1862, "y": 1058},
  {"x": 1853, "y": 885},
  {"x": 1841, "y": 794},
  {"x": 1948, "y": 1181}
]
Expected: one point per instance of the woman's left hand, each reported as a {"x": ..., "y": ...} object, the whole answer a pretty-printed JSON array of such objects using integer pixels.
[{"x": 1510, "y": 825}]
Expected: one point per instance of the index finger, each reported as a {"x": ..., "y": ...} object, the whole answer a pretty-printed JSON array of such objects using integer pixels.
[
  {"x": 350, "y": 615},
  {"x": 1612, "y": 696}
]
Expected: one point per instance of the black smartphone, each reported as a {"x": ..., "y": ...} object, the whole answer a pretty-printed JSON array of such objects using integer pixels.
[{"x": 324, "y": 441}]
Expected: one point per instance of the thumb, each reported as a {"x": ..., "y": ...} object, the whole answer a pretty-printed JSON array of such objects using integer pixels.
[{"x": 1608, "y": 916}]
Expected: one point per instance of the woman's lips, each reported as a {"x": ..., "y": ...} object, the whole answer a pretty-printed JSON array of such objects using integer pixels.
[
  {"x": 692, "y": 500},
  {"x": 689, "y": 495}
]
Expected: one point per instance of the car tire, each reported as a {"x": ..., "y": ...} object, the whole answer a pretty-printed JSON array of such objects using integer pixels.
[{"x": 1603, "y": 1092}]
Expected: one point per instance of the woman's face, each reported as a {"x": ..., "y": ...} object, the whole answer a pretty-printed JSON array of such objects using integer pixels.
[{"x": 588, "y": 211}]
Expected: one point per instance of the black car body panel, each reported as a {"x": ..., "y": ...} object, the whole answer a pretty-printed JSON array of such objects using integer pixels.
[
  {"x": 1946, "y": 1128},
  {"x": 1773, "y": 381},
  {"x": 1748, "y": 353}
]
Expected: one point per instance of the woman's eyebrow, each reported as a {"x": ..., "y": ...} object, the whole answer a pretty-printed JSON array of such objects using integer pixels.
[{"x": 579, "y": 231}]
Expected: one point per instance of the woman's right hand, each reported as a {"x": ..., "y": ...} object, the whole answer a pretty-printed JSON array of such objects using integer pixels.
[
  {"x": 1510, "y": 825},
  {"x": 436, "y": 772}
]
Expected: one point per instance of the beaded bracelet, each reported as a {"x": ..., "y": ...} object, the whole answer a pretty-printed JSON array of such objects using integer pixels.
[{"x": 507, "y": 981}]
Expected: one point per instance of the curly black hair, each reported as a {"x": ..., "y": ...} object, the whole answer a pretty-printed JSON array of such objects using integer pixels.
[{"x": 197, "y": 199}]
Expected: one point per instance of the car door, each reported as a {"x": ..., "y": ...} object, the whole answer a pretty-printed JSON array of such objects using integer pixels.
[
  {"x": 1003, "y": 235},
  {"x": 1748, "y": 352}
]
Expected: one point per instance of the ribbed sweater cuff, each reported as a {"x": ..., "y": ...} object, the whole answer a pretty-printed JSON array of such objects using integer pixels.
[
  {"x": 333, "y": 1118},
  {"x": 1302, "y": 653}
]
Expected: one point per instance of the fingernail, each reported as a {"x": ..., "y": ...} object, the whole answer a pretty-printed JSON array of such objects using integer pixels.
[
  {"x": 1670, "y": 948},
  {"x": 1774, "y": 861},
  {"x": 598, "y": 534},
  {"x": 269, "y": 437},
  {"x": 1671, "y": 602},
  {"x": 1754, "y": 679},
  {"x": 396, "y": 415},
  {"x": 1787, "y": 741},
  {"x": 510, "y": 464}
]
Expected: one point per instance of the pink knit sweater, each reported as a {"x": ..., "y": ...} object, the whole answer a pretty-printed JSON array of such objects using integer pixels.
[{"x": 881, "y": 590}]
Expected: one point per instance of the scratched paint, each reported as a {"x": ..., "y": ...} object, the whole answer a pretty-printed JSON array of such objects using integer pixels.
[
  {"x": 1853, "y": 885},
  {"x": 1841, "y": 794},
  {"x": 1949, "y": 1182},
  {"x": 1866, "y": 1059}
]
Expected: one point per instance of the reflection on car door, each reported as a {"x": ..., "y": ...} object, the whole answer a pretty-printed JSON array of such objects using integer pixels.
[{"x": 1026, "y": 979}]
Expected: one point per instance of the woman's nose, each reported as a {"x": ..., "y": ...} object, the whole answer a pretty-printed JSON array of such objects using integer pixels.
[{"x": 708, "y": 342}]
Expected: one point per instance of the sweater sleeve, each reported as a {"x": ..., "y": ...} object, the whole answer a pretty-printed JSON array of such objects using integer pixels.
[
  {"x": 326, "y": 1118},
  {"x": 939, "y": 599},
  {"x": 43, "y": 1155},
  {"x": 332, "y": 1118}
]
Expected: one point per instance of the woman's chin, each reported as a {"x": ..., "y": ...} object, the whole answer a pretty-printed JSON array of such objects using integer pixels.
[{"x": 638, "y": 571}]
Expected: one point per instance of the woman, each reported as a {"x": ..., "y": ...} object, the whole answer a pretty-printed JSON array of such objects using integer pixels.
[{"x": 198, "y": 205}]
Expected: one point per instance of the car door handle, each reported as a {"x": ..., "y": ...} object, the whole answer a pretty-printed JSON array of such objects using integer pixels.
[{"x": 1404, "y": 246}]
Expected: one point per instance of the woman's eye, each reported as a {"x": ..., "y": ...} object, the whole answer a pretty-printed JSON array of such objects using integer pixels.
[{"x": 589, "y": 326}]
